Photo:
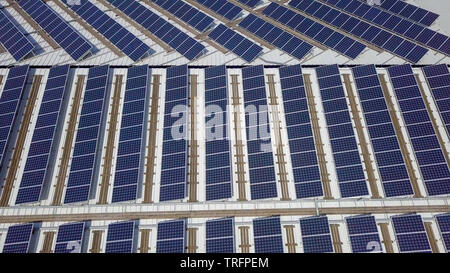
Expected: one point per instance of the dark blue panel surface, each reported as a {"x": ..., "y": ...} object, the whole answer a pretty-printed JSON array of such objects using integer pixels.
[
  {"x": 316, "y": 235},
  {"x": 267, "y": 235},
  {"x": 410, "y": 233}
]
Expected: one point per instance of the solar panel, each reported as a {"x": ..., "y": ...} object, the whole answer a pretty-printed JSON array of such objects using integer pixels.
[
  {"x": 363, "y": 233},
  {"x": 438, "y": 79},
  {"x": 267, "y": 235},
  {"x": 425, "y": 143},
  {"x": 276, "y": 36},
  {"x": 123, "y": 39},
  {"x": 259, "y": 146},
  {"x": 350, "y": 172},
  {"x": 365, "y": 31},
  {"x": 121, "y": 237},
  {"x": 17, "y": 44},
  {"x": 70, "y": 238},
  {"x": 62, "y": 32},
  {"x": 171, "y": 237},
  {"x": 21, "y": 238},
  {"x": 410, "y": 12},
  {"x": 187, "y": 13},
  {"x": 37, "y": 163},
  {"x": 314, "y": 30},
  {"x": 316, "y": 235},
  {"x": 174, "y": 37},
  {"x": 250, "y": 3},
  {"x": 410, "y": 233},
  {"x": 389, "y": 158},
  {"x": 174, "y": 166},
  {"x": 9, "y": 103},
  {"x": 236, "y": 43},
  {"x": 443, "y": 222},
  {"x": 131, "y": 149},
  {"x": 218, "y": 147},
  {"x": 222, "y": 7},
  {"x": 85, "y": 152},
  {"x": 301, "y": 139},
  {"x": 220, "y": 235},
  {"x": 396, "y": 24}
]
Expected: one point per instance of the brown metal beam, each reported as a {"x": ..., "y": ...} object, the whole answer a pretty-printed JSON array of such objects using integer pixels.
[
  {"x": 245, "y": 242},
  {"x": 431, "y": 237},
  {"x": 193, "y": 143},
  {"x": 96, "y": 241},
  {"x": 145, "y": 241},
  {"x": 337, "y": 243},
  {"x": 192, "y": 240},
  {"x": 387, "y": 241},
  {"x": 291, "y": 245},
  {"x": 48, "y": 242}
]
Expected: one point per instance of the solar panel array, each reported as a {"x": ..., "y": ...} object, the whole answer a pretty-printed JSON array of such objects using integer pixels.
[
  {"x": 85, "y": 151},
  {"x": 236, "y": 43},
  {"x": 267, "y": 235},
  {"x": 187, "y": 14},
  {"x": 350, "y": 172},
  {"x": 259, "y": 146},
  {"x": 395, "y": 24},
  {"x": 438, "y": 79},
  {"x": 363, "y": 233},
  {"x": 9, "y": 104},
  {"x": 220, "y": 236},
  {"x": 443, "y": 222},
  {"x": 389, "y": 158},
  {"x": 171, "y": 236},
  {"x": 410, "y": 12},
  {"x": 410, "y": 233},
  {"x": 316, "y": 235},
  {"x": 222, "y": 7},
  {"x": 70, "y": 238},
  {"x": 174, "y": 37},
  {"x": 276, "y": 36},
  {"x": 123, "y": 39},
  {"x": 250, "y": 3},
  {"x": 18, "y": 239},
  {"x": 43, "y": 140},
  {"x": 314, "y": 30},
  {"x": 121, "y": 237},
  {"x": 71, "y": 41},
  {"x": 131, "y": 149},
  {"x": 174, "y": 166},
  {"x": 427, "y": 149},
  {"x": 17, "y": 44},
  {"x": 218, "y": 148},
  {"x": 301, "y": 139},
  {"x": 365, "y": 31}
]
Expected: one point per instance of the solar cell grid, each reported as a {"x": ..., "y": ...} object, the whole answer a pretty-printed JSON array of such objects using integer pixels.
[
  {"x": 171, "y": 237},
  {"x": 363, "y": 234},
  {"x": 316, "y": 235},
  {"x": 222, "y": 7},
  {"x": 410, "y": 233},
  {"x": 443, "y": 222},
  {"x": 220, "y": 235},
  {"x": 267, "y": 235},
  {"x": 250, "y": 3},
  {"x": 69, "y": 238},
  {"x": 18, "y": 239},
  {"x": 409, "y": 11},
  {"x": 120, "y": 237}
]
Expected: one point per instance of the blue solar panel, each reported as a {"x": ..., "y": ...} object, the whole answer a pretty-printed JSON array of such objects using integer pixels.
[
  {"x": 316, "y": 235},
  {"x": 120, "y": 37},
  {"x": 389, "y": 158},
  {"x": 430, "y": 157},
  {"x": 259, "y": 146},
  {"x": 187, "y": 13},
  {"x": 218, "y": 147},
  {"x": 236, "y": 43},
  {"x": 403, "y": 27},
  {"x": 410, "y": 233},
  {"x": 171, "y": 236},
  {"x": 438, "y": 78},
  {"x": 62, "y": 32},
  {"x": 410, "y": 12},
  {"x": 302, "y": 149},
  {"x": 34, "y": 175},
  {"x": 17, "y": 44},
  {"x": 174, "y": 173},
  {"x": 21, "y": 238},
  {"x": 130, "y": 162},
  {"x": 267, "y": 235},
  {"x": 220, "y": 235},
  {"x": 443, "y": 222},
  {"x": 9, "y": 103},
  {"x": 314, "y": 30},
  {"x": 174, "y": 37},
  {"x": 349, "y": 168},
  {"x": 121, "y": 237},
  {"x": 84, "y": 161},
  {"x": 70, "y": 238},
  {"x": 276, "y": 36},
  {"x": 250, "y": 3},
  {"x": 222, "y": 7},
  {"x": 363, "y": 233}
]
